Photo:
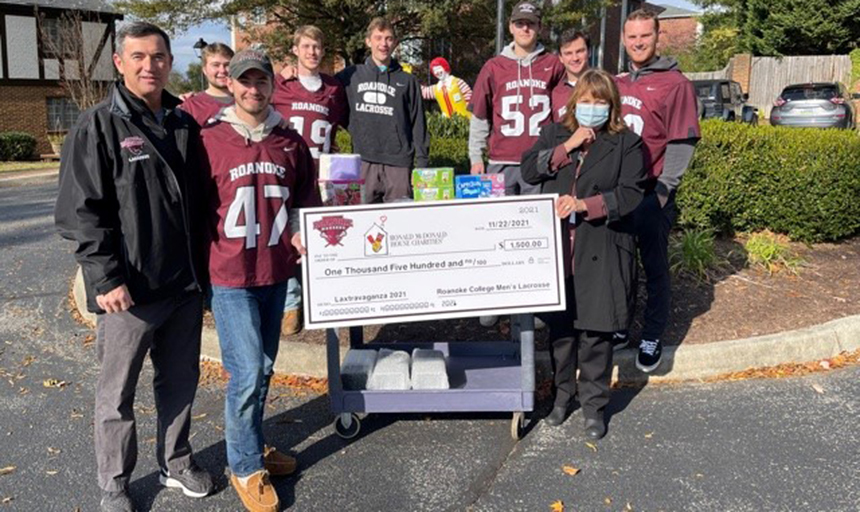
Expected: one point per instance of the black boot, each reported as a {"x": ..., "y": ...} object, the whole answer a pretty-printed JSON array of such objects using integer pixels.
[
  {"x": 558, "y": 414},
  {"x": 595, "y": 428}
]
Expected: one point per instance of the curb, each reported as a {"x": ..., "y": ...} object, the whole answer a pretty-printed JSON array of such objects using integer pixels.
[{"x": 680, "y": 363}]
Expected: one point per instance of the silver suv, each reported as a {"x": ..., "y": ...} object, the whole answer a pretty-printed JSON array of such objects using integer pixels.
[{"x": 817, "y": 105}]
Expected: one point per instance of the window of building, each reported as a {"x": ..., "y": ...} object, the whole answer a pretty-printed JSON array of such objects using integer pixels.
[
  {"x": 62, "y": 114},
  {"x": 56, "y": 40}
]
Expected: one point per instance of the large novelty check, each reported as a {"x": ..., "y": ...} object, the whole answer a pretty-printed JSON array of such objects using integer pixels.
[{"x": 422, "y": 261}]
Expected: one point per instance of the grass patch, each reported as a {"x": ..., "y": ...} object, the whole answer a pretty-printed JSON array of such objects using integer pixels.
[
  {"x": 772, "y": 253},
  {"x": 27, "y": 166},
  {"x": 693, "y": 253}
]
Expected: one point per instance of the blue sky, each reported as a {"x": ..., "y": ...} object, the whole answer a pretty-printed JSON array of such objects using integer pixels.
[{"x": 183, "y": 44}]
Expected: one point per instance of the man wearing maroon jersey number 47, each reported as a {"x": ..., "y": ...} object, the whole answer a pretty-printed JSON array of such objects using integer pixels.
[
  {"x": 659, "y": 104},
  {"x": 259, "y": 175},
  {"x": 315, "y": 105}
]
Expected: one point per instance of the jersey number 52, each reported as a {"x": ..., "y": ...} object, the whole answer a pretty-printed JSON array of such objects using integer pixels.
[{"x": 510, "y": 112}]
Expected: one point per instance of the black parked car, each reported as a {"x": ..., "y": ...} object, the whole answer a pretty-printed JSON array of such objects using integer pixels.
[
  {"x": 723, "y": 99},
  {"x": 818, "y": 105}
]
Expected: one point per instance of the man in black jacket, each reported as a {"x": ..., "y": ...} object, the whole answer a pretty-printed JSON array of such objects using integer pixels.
[
  {"x": 129, "y": 181},
  {"x": 386, "y": 118}
]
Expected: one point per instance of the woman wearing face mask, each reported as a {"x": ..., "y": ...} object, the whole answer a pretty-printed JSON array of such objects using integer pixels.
[{"x": 595, "y": 165}]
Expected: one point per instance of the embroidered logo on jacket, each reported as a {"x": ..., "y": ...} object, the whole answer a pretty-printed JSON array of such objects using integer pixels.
[{"x": 134, "y": 145}]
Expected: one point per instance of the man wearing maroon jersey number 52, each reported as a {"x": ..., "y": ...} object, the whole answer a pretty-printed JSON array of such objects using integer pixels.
[
  {"x": 260, "y": 174},
  {"x": 659, "y": 104},
  {"x": 315, "y": 105},
  {"x": 511, "y": 100},
  {"x": 510, "y": 103}
]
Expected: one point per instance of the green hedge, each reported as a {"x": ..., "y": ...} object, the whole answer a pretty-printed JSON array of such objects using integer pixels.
[
  {"x": 802, "y": 182},
  {"x": 17, "y": 146},
  {"x": 449, "y": 142}
]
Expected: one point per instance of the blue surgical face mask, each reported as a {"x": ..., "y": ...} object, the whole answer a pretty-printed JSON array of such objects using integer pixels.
[{"x": 591, "y": 115}]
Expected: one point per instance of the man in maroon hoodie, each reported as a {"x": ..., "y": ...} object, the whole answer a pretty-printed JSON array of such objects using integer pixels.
[{"x": 260, "y": 174}]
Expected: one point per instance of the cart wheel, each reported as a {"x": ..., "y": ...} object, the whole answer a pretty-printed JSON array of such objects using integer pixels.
[
  {"x": 347, "y": 425},
  {"x": 518, "y": 424}
]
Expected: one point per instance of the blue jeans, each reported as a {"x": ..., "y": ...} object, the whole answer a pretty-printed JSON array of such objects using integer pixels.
[
  {"x": 294, "y": 295},
  {"x": 249, "y": 329}
]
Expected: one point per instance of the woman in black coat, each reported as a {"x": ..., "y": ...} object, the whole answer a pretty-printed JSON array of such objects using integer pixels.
[{"x": 595, "y": 164}]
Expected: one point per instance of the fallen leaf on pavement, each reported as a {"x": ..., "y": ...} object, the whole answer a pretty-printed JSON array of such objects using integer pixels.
[
  {"x": 199, "y": 416},
  {"x": 818, "y": 389},
  {"x": 76, "y": 414},
  {"x": 28, "y": 361},
  {"x": 53, "y": 451},
  {"x": 7, "y": 470},
  {"x": 570, "y": 470},
  {"x": 649, "y": 435},
  {"x": 699, "y": 475},
  {"x": 608, "y": 500},
  {"x": 54, "y": 383},
  {"x": 51, "y": 472},
  {"x": 557, "y": 506},
  {"x": 7, "y": 499},
  {"x": 592, "y": 446},
  {"x": 628, "y": 507}
]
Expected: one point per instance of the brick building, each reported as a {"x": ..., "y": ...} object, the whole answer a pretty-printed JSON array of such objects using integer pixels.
[
  {"x": 679, "y": 29},
  {"x": 31, "y": 97}
]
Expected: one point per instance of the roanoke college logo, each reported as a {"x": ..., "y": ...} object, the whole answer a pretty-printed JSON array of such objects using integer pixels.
[
  {"x": 133, "y": 144},
  {"x": 333, "y": 229}
]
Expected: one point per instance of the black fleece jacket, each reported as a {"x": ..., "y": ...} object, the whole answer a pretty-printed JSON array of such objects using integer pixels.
[
  {"x": 129, "y": 196},
  {"x": 386, "y": 115}
]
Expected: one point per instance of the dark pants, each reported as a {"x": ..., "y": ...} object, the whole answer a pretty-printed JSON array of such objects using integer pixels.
[
  {"x": 590, "y": 350},
  {"x": 514, "y": 184},
  {"x": 385, "y": 183},
  {"x": 652, "y": 224},
  {"x": 170, "y": 331}
]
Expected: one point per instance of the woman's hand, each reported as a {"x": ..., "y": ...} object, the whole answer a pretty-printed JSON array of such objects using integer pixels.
[
  {"x": 566, "y": 204},
  {"x": 581, "y": 136}
]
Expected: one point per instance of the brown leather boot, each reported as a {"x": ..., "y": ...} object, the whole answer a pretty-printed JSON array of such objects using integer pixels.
[
  {"x": 258, "y": 495},
  {"x": 292, "y": 322},
  {"x": 277, "y": 463}
]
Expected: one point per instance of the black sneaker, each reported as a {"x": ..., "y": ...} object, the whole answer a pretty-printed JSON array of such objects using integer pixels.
[
  {"x": 194, "y": 482},
  {"x": 117, "y": 501},
  {"x": 650, "y": 355},
  {"x": 620, "y": 340}
]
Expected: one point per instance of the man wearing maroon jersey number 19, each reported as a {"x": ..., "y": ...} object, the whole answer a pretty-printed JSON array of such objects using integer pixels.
[
  {"x": 659, "y": 104},
  {"x": 511, "y": 100},
  {"x": 315, "y": 105},
  {"x": 260, "y": 174},
  {"x": 205, "y": 105}
]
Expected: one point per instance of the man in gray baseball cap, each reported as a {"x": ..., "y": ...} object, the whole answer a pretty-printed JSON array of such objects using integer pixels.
[
  {"x": 259, "y": 166},
  {"x": 247, "y": 60}
]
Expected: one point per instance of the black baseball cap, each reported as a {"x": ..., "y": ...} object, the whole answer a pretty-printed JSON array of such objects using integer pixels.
[
  {"x": 526, "y": 10},
  {"x": 247, "y": 60}
]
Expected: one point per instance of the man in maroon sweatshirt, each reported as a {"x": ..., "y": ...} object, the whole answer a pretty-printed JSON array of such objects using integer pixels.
[
  {"x": 259, "y": 175},
  {"x": 205, "y": 105}
]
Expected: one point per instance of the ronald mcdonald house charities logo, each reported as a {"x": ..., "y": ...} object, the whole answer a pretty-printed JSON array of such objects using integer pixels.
[{"x": 333, "y": 228}]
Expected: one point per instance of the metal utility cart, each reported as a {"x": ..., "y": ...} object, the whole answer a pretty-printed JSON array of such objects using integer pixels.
[{"x": 494, "y": 376}]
